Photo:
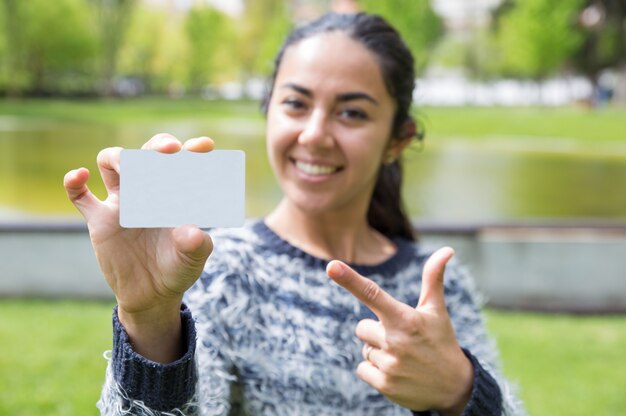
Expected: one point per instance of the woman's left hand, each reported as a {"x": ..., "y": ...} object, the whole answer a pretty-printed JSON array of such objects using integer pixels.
[{"x": 411, "y": 355}]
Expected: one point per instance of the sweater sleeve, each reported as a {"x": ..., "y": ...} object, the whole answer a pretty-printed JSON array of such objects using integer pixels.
[
  {"x": 138, "y": 386},
  {"x": 486, "y": 398}
]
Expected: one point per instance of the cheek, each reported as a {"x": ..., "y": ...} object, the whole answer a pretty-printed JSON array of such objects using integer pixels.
[
  {"x": 365, "y": 162},
  {"x": 366, "y": 149}
]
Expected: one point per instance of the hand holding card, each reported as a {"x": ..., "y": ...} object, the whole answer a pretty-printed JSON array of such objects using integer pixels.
[
  {"x": 168, "y": 190},
  {"x": 149, "y": 269}
]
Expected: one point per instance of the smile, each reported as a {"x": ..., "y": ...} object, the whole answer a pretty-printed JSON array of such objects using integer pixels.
[{"x": 314, "y": 169}]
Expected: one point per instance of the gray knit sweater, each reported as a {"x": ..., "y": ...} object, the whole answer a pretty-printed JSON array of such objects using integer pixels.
[{"x": 271, "y": 334}]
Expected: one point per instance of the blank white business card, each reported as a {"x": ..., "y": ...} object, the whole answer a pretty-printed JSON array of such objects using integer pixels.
[{"x": 169, "y": 190}]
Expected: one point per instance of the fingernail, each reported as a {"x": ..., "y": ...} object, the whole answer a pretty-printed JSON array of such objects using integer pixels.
[
  {"x": 336, "y": 268},
  {"x": 165, "y": 138}
]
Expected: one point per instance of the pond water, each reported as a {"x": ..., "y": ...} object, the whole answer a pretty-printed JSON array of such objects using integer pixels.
[{"x": 497, "y": 179}]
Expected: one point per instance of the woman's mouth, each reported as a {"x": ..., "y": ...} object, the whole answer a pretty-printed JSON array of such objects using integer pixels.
[{"x": 314, "y": 169}]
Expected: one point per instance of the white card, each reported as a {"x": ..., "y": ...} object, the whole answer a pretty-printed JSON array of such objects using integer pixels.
[{"x": 168, "y": 190}]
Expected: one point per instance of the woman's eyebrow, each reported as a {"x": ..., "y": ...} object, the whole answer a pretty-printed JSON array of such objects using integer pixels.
[
  {"x": 348, "y": 96},
  {"x": 298, "y": 88}
]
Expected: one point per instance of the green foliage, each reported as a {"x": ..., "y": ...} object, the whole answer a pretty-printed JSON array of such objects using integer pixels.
[
  {"x": 537, "y": 36},
  {"x": 3, "y": 49},
  {"x": 478, "y": 54},
  {"x": 113, "y": 17},
  {"x": 264, "y": 26},
  {"x": 50, "y": 44},
  {"x": 155, "y": 49},
  {"x": 416, "y": 21},
  {"x": 211, "y": 44}
]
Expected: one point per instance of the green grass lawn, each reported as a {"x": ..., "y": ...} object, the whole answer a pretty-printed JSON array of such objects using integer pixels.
[
  {"x": 51, "y": 361},
  {"x": 564, "y": 365}
]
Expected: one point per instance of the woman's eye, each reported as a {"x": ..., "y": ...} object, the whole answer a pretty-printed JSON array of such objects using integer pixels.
[
  {"x": 293, "y": 104},
  {"x": 353, "y": 114}
]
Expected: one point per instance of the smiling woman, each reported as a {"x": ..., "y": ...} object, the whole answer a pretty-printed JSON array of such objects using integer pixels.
[
  {"x": 326, "y": 306},
  {"x": 328, "y": 129}
]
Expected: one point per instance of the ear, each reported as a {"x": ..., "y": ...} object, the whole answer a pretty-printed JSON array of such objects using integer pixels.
[{"x": 397, "y": 144}]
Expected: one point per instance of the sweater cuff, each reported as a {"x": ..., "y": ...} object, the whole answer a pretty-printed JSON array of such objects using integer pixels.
[
  {"x": 486, "y": 398},
  {"x": 161, "y": 387}
]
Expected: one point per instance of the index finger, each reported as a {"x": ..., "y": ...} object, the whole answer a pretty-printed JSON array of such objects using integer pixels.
[
  {"x": 367, "y": 291},
  {"x": 162, "y": 142}
]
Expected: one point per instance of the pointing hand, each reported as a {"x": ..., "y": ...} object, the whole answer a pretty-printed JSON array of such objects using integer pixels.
[{"x": 411, "y": 354}]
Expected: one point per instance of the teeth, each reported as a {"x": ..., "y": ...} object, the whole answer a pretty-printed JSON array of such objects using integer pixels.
[{"x": 312, "y": 169}]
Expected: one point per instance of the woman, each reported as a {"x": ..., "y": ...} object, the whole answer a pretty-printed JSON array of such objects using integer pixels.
[{"x": 271, "y": 333}]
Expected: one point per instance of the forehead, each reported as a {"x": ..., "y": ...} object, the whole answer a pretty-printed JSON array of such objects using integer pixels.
[{"x": 332, "y": 61}]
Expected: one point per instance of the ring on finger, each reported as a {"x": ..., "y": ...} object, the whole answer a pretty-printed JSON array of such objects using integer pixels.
[{"x": 368, "y": 351}]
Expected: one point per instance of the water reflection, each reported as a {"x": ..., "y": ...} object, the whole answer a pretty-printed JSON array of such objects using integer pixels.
[
  {"x": 453, "y": 181},
  {"x": 473, "y": 182}
]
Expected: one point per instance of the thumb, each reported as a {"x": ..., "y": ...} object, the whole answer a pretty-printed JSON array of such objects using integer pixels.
[
  {"x": 193, "y": 243},
  {"x": 432, "y": 293},
  {"x": 75, "y": 184}
]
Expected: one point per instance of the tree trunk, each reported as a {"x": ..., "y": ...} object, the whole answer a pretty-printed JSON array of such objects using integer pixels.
[{"x": 12, "y": 36}]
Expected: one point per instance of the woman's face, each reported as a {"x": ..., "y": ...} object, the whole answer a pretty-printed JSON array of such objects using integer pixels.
[{"x": 328, "y": 124}]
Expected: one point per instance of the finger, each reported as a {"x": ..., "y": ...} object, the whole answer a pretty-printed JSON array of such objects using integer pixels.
[
  {"x": 370, "y": 374},
  {"x": 75, "y": 184},
  {"x": 109, "y": 165},
  {"x": 371, "y": 332},
  {"x": 193, "y": 243},
  {"x": 432, "y": 293},
  {"x": 381, "y": 359},
  {"x": 367, "y": 291},
  {"x": 368, "y": 352},
  {"x": 163, "y": 142},
  {"x": 199, "y": 144}
]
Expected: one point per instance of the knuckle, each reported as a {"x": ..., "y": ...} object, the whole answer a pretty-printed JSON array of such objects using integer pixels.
[
  {"x": 105, "y": 155},
  {"x": 398, "y": 342},
  {"x": 389, "y": 364},
  {"x": 360, "y": 329},
  {"x": 410, "y": 322},
  {"x": 366, "y": 327},
  {"x": 102, "y": 155},
  {"x": 371, "y": 291}
]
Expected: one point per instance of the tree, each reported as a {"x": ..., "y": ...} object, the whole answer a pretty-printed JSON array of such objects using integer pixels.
[
  {"x": 539, "y": 37},
  {"x": 155, "y": 50},
  {"x": 113, "y": 18},
  {"x": 50, "y": 46},
  {"x": 211, "y": 45},
  {"x": 603, "y": 24},
  {"x": 419, "y": 25},
  {"x": 265, "y": 25}
]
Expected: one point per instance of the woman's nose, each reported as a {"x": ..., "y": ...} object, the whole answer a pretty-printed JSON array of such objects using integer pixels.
[{"x": 316, "y": 131}]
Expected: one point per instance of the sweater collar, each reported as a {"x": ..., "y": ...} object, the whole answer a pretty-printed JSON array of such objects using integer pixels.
[{"x": 406, "y": 251}]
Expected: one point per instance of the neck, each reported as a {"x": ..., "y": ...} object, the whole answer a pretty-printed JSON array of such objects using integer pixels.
[{"x": 330, "y": 235}]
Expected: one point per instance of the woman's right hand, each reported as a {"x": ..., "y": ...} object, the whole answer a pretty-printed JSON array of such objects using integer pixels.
[{"x": 148, "y": 269}]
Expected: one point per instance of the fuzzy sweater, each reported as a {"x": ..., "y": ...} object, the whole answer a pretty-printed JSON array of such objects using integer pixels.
[{"x": 271, "y": 334}]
